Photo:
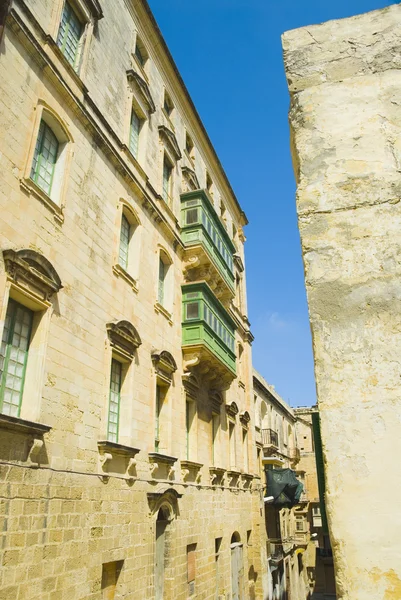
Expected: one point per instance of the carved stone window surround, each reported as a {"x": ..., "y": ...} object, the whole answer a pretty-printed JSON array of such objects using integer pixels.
[{"x": 124, "y": 339}]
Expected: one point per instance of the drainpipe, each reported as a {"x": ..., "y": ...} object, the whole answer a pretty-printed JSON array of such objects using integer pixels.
[{"x": 5, "y": 6}]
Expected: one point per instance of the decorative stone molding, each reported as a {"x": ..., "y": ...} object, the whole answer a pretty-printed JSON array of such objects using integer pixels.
[
  {"x": 247, "y": 480},
  {"x": 32, "y": 430},
  {"x": 111, "y": 450},
  {"x": 191, "y": 384},
  {"x": 245, "y": 418},
  {"x": 216, "y": 400},
  {"x": 216, "y": 475},
  {"x": 238, "y": 262},
  {"x": 157, "y": 460},
  {"x": 190, "y": 468},
  {"x": 141, "y": 87},
  {"x": 232, "y": 409},
  {"x": 171, "y": 142},
  {"x": 234, "y": 475},
  {"x": 32, "y": 273},
  {"x": 166, "y": 498},
  {"x": 165, "y": 365},
  {"x": 190, "y": 178},
  {"x": 124, "y": 339}
]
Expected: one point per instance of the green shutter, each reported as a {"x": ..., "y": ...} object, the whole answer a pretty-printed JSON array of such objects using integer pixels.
[
  {"x": 114, "y": 401},
  {"x": 162, "y": 276},
  {"x": 134, "y": 134},
  {"x": 157, "y": 419},
  {"x": 45, "y": 157},
  {"x": 125, "y": 234},
  {"x": 69, "y": 35},
  {"x": 14, "y": 356},
  {"x": 167, "y": 170}
]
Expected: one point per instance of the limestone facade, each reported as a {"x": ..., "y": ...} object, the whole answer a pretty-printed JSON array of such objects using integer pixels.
[
  {"x": 288, "y": 557},
  {"x": 344, "y": 80},
  {"x": 127, "y": 452}
]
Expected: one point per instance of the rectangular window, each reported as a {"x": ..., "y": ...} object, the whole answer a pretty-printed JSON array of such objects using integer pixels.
[
  {"x": 125, "y": 234},
  {"x": 245, "y": 450},
  {"x": 162, "y": 278},
  {"x": 299, "y": 524},
  {"x": 44, "y": 158},
  {"x": 192, "y": 216},
  {"x": 157, "y": 417},
  {"x": 215, "y": 437},
  {"x": 134, "y": 134},
  {"x": 14, "y": 356},
  {"x": 193, "y": 310},
  {"x": 114, "y": 400},
  {"x": 191, "y": 567},
  {"x": 110, "y": 574},
  {"x": 69, "y": 35},
  {"x": 167, "y": 172},
  {"x": 231, "y": 434}
]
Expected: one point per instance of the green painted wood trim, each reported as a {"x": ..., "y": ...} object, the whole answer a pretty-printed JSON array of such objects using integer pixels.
[
  {"x": 202, "y": 194},
  {"x": 205, "y": 289}
]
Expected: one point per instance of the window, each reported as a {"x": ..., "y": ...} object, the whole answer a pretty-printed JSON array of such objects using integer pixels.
[
  {"x": 299, "y": 524},
  {"x": 134, "y": 133},
  {"x": 140, "y": 52},
  {"x": 167, "y": 180},
  {"x": 69, "y": 35},
  {"x": 245, "y": 450},
  {"x": 44, "y": 158},
  {"x": 14, "y": 356},
  {"x": 191, "y": 568},
  {"x": 209, "y": 183},
  {"x": 162, "y": 278},
  {"x": 157, "y": 417},
  {"x": 110, "y": 574},
  {"x": 215, "y": 437},
  {"x": 189, "y": 146},
  {"x": 114, "y": 400},
  {"x": 125, "y": 235},
  {"x": 231, "y": 435},
  {"x": 192, "y": 309},
  {"x": 168, "y": 105}
]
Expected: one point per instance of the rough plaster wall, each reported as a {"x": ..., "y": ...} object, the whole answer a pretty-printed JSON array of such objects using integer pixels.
[{"x": 345, "y": 118}]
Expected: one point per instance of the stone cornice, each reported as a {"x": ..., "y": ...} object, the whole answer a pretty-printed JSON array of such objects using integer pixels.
[{"x": 143, "y": 88}]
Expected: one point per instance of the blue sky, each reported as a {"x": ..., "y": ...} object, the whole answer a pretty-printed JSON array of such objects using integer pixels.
[{"x": 229, "y": 54}]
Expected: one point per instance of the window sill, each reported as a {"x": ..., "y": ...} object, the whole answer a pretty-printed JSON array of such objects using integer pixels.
[
  {"x": 160, "y": 309},
  {"x": 22, "y": 426},
  {"x": 67, "y": 65},
  {"x": 119, "y": 271},
  {"x": 161, "y": 458},
  {"x": 114, "y": 448},
  {"x": 30, "y": 188},
  {"x": 216, "y": 475}
]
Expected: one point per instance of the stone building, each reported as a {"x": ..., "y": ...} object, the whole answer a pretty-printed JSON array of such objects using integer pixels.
[
  {"x": 344, "y": 79},
  {"x": 287, "y": 528},
  {"x": 127, "y": 453},
  {"x": 318, "y": 556}
]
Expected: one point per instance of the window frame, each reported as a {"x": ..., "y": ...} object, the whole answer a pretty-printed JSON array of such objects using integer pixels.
[
  {"x": 44, "y": 129},
  {"x": 167, "y": 182},
  {"x": 75, "y": 64},
  {"x": 8, "y": 343},
  {"x": 109, "y": 435}
]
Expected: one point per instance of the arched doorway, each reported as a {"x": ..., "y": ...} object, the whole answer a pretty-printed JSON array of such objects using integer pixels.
[
  {"x": 237, "y": 567},
  {"x": 162, "y": 521}
]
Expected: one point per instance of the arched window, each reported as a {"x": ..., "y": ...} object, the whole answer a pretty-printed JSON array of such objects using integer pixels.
[
  {"x": 128, "y": 244},
  {"x": 49, "y": 158},
  {"x": 165, "y": 281}
]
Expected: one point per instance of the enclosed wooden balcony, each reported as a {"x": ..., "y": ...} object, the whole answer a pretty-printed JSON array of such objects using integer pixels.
[
  {"x": 209, "y": 249},
  {"x": 208, "y": 335}
]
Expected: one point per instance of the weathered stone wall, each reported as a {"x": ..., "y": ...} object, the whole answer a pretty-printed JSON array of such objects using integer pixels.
[
  {"x": 345, "y": 117},
  {"x": 62, "y": 515}
]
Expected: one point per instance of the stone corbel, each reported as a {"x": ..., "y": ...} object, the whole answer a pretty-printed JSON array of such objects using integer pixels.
[
  {"x": 131, "y": 465},
  {"x": 34, "y": 451},
  {"x": 171, "y": 472},
  {"x": 105, "y": 458},
  {"x": 191, "y": 360},
  {"x": 153, "y": 467},
  {"x": 185, "y": 473}
]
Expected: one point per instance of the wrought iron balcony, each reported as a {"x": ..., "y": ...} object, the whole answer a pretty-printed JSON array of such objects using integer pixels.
[
  {"x": 209, "y": 249},
  {"x": 270, "y": 438},
  {"x": 208, "y": 334}
]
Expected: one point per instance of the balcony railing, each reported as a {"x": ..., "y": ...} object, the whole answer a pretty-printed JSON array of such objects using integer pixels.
[
  {"x": 200, "y": 224},
  {"x": 269, "y": 437},
  {"x": 205, "y": 322}
]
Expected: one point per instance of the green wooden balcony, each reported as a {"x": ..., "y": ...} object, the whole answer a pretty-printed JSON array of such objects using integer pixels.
[
  {"x": 208, "y": 334},
  {"x": 209, "y": 254}
]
